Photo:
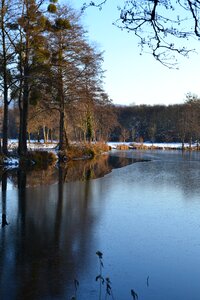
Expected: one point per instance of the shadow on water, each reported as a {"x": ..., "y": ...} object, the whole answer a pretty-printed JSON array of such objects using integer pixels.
[
  {"x": 53, "y": 221},
  {"x": 96, "y": 168},
  {"x": 73, "y": 171},
  {"x": 46, "y": 229},
  {"x": 4, "y": 194},
  {"x": 36, "y": 255}
]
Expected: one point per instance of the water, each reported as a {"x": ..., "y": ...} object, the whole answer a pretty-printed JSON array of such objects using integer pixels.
[{"x": 144, "y": 217}]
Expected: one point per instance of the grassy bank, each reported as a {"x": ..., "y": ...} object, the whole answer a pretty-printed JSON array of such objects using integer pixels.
[
  {"x": 82, "y": 151},
  {"x": 41, "y": 158}
]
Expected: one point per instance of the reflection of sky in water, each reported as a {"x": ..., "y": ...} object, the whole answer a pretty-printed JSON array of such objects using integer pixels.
[
  {"x": 143, "y": 217},
  {"x": 10, "y": 185},
  {"x": 158, "y": 227}
]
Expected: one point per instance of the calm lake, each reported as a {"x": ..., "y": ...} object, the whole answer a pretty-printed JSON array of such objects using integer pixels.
[{"x": 143, "y": 216}]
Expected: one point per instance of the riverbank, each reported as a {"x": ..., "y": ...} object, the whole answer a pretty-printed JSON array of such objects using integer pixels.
[
  {"x": 152, "y": 146},
  {"x": 33, "y": 145},
  {"x": 43, "y": 154}
]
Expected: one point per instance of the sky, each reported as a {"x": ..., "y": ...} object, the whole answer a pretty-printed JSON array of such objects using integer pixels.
[{"x": 132, "y": 78}]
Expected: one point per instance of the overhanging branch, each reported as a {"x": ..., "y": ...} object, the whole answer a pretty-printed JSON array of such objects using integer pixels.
[{"x": 160, "y": 25}]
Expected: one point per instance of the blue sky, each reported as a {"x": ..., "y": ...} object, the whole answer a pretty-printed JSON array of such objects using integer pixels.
[{"x": 131, "y": 77}]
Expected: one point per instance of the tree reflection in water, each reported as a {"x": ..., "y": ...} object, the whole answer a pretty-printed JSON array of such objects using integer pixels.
[
  {"x": 45, "y": 244},
  {"x": 4, "y": 191}
]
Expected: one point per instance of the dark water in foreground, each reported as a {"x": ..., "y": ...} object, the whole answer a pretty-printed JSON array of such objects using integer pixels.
[{"x": 144, "y": 217}]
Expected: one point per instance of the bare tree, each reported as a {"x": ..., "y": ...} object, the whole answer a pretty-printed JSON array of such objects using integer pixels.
[
  {"x": 7, "y": 63},
  {"x": 161, "y": 26},
  {"x": 32, "y": 56}
]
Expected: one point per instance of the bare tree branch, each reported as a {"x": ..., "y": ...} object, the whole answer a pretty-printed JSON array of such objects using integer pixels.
[
  {"x": 92, "y": 3},
  {"x": 162, "y": 26}
]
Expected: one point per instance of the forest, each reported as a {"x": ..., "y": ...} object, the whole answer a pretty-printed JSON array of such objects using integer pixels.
[
  {"x": 160, "y": 123},
  {"x": 51, "y": 76},
  {"x": 109, "y": 122},
  {"x": 51, "y": 82}
]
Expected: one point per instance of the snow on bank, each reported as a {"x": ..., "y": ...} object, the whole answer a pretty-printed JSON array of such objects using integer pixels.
[
  {"x": 13, "y": 162},
  {"x": 162, "y": 146},
  {"x": 33, "y": 145}
]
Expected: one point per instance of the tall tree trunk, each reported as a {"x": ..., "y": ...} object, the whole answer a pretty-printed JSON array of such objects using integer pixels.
[
  {"x": 44, "y": 134},
  {"x": 23, "y": 128},
  {"x": 24, "y": 113},
  {"x": 197, "y": 145},
  {"x": 29, "y": 137},
  {"x": 84, "y": 136},
  {"x": 5, "y": 123},
  {"x": 20, "y": 126},
  {"x": 51, "y": 135},
  {"x": 5, "y": 82},
  {"x": 38, "y": 136},
  {"x": 47, "y": 135},
  {"x": 63, "y": 140}
]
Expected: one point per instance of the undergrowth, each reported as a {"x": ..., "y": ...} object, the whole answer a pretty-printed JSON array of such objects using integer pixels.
[
  {"x": 82, "y": 151},
  {"x": 40, "y": 159},
  {"x": 123, "y": 147},
  {"x": 105, "y": 287}
]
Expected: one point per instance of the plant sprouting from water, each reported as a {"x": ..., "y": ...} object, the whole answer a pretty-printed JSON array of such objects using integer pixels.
[
  {"x": 101, "y": 279},
  {"x": 134, "y": 295},
  {"x": 76, "y": 285},
  {"x": 108, "y": 288}
]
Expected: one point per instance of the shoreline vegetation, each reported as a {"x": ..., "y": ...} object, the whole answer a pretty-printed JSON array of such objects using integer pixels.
[
  {"x": 74, "y": 170},
  {"x": 41, "y": 155},
  {"x": 155, "y": 146}
]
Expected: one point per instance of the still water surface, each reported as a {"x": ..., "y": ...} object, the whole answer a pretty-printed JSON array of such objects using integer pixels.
[{"x": 144, "y": 217}]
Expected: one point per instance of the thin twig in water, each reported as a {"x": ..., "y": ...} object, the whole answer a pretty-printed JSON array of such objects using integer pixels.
[
  {"x": 148, "y": 281},
  {"x": 100, "y": 277},
  {"x": 134, "y": 295}
]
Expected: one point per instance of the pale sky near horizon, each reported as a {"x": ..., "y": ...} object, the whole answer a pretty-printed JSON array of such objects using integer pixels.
[{"x": 131, "y": 77}]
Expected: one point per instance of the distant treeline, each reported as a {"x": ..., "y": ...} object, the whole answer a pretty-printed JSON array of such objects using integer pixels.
[{"x": 158, "y": 123}]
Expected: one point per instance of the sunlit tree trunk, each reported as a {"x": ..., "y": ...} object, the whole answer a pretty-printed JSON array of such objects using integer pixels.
[
  {"x": 5, "y": 80},
  {"x": 63, "y": 140},
  {"x": 24, "y": 113}
]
